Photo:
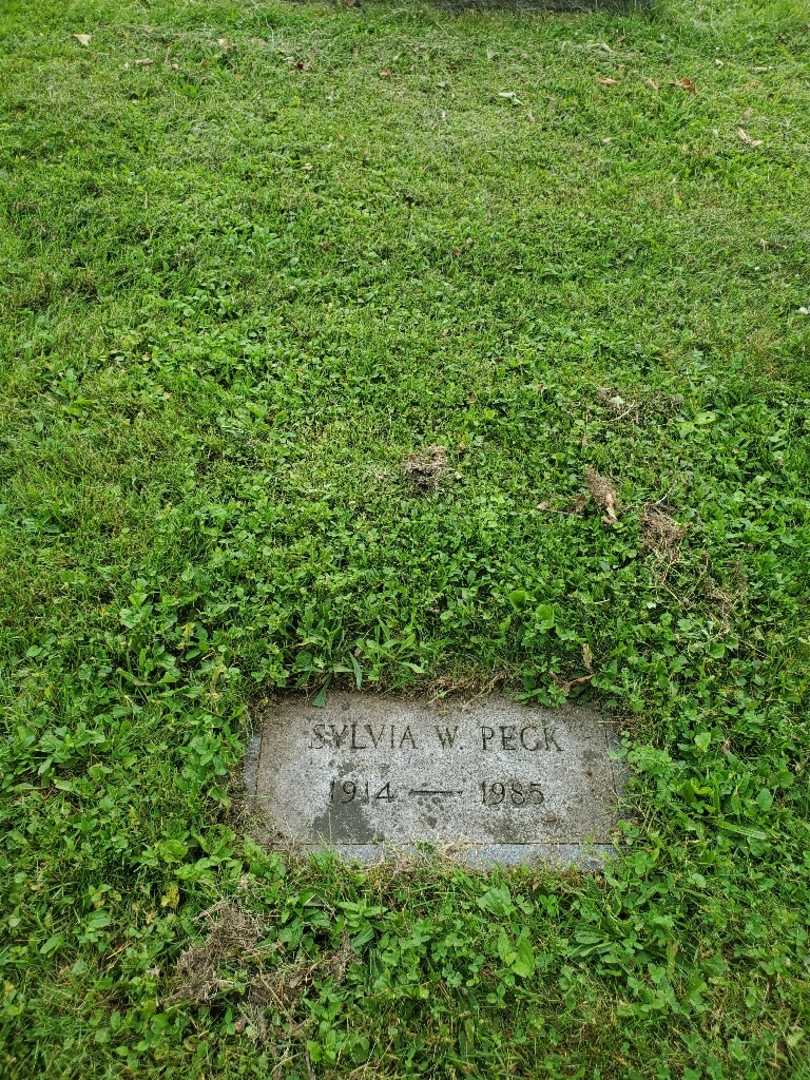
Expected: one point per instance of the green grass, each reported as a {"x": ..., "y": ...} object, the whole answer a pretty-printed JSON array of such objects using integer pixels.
[{"x": 242, "y": 283}]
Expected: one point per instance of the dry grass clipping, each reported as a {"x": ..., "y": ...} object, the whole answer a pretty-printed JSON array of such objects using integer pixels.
[
  {"x": 468, "y": 688},
  {"x": 620, "y": 407},
  {"x": 604, "y": 495}
]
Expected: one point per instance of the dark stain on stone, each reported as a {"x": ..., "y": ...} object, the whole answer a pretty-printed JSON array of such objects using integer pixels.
[{"x": 344, "y": 823}]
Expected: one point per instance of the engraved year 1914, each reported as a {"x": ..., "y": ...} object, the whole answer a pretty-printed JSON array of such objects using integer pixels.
[{"x": 347, "y": 791}]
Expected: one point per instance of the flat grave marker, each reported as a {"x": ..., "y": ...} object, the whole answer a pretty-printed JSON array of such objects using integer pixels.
[{"x": 492, "y": 782}]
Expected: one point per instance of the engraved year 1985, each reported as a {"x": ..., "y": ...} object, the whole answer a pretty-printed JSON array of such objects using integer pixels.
[{"x": 511, "y": 793}]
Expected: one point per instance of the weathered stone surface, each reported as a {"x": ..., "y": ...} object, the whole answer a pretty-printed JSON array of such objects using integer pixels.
[{"x": 493, "y": 781}]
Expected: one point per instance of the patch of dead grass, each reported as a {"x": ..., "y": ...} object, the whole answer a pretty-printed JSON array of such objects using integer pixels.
[
  {"x": 282, "y": 987},
  {"x": 662, "y": 533},
  {"x": 428, "y": 468},
  {"x": 663, "y": 536},
  {"x": 653, "y": 406},
  {"x": 232, "y": 935}
]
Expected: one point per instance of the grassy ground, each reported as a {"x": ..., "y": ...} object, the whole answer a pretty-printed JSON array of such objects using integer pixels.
[{"x": 257, "y": 253}]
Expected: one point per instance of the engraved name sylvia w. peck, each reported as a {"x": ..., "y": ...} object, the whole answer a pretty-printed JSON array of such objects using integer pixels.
[{"x": 495, "y": 780}]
